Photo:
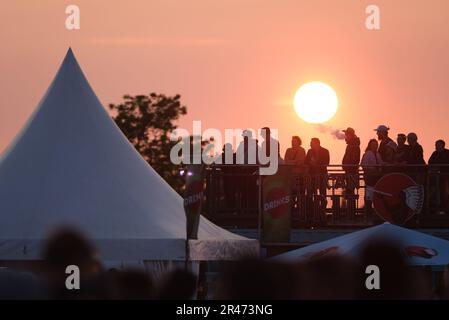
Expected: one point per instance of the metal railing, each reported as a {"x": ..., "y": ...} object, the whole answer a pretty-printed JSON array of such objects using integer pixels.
[{"x": 335, "y": 198}]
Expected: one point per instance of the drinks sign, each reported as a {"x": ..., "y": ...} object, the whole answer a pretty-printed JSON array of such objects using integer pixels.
[
  {"x": 276, "y": 206},
  {"x": 193, "y": 199}
]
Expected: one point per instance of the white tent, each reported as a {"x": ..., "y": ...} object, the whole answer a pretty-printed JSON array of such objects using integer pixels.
[
  {"x": 71, "y": 165},
  {"x": 418, "y": 248}
]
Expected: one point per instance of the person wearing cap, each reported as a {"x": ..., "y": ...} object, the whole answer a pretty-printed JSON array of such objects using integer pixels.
[{"x": 387, "y": 147}]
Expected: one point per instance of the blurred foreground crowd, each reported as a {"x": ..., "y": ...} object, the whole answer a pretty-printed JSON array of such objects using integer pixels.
[{"x": 321, "y": 277}]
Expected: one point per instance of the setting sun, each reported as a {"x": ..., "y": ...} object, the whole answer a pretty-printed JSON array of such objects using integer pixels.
[{"x": 315, "y": 102}]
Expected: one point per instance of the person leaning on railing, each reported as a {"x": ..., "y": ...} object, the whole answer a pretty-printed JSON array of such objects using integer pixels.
[
  {"x": 371, "y": 164},
  {"x": 402, "y": 153},
  {"x": 351, "y": 160},
  {"x": 295, "y": 156},
  {"x": 317, "y": 160},
  {"x": 387, "y": 147},
  {"x": 439, "y": 164},
  {"x": 415, "y": 161}
]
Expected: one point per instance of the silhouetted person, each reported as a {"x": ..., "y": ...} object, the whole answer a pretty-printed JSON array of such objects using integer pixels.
[
  {"x": 295, "y": 155},
  {"x": 415, "y": 159},
  {"x": 230, "y": 177},
  {"x": 370, "y": 163},
  {"x": 441, "y": 156},
  {"x": 387, "y": 147},
  {"x": 247, "y": 153},
  {"x": 178, "y": 285},
  {"x": 350, "y": 162},
  {"x": 247, "y": 150},
  {"x": 68, "y": 247},
  {"x": 133, "y": 285},
  {"x": 268, "y": 142},
  {"x": 280, "y": 160},
  {"x": 394, "y": 278},
  {"x": 317, "y": 160},
  {"x": 402, "y": 150},
  {"x": 416, "y": 153},
  {"x": 329, "y": 277},
  {"x": 258, "y": 280},
  {"x": 351, "y": 158},
  {"x": 20, "y": 285}
]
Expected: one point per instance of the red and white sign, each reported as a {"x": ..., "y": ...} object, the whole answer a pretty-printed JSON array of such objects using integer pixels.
[{"x": 397, "y": 198}]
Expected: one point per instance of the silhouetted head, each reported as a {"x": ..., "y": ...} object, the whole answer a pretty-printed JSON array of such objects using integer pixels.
[
  {"x": 178, "y": 285},
  {"x": 247, "y": 134},
  {"x": 382, "y": 131},
  {"x": 133, "y": 285},
  {"x": 329, "y": 277},
  {"x": 412, "y": 138},
  {"x": 19, "y": 285},
  {"x": 258, "y": 280},
  {"x": 373, "y": 145},
  {"x": 69, "y": 247},
  {"x": 349, "y": 133},
  {"x": 384, "y": 258},
  {"x": 315, "y": 144},
  {"x": 227, "y": 147},
  {"x": 265, "y": 132},
  {"x": 296, "y": 142},
  {"x": 401, "y": 139},
  {"x": 440, "y": 145}
]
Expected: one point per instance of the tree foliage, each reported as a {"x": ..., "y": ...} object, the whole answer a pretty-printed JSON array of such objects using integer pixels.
[{"x": 147, "y": 121}]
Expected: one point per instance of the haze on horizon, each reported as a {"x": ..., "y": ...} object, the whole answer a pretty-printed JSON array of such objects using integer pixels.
[{"x": 238, "y": 64}]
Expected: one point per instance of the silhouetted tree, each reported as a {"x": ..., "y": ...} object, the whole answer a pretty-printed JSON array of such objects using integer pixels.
[{"x": 147, "y": 121}]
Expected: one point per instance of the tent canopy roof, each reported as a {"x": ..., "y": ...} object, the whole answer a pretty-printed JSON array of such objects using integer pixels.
[
  {"x": 419, "y": 248},
  {"x": 71, "y": 165}
]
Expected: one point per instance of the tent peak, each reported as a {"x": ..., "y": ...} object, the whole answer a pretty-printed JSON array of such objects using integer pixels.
[{"x": 70, "y": 56}]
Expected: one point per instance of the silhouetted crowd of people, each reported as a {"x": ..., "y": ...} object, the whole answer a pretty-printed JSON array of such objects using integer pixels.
[
  {"x": 47, "y": 278},
  {"x": 381, "y": 156},
  {"x": 335, "y": 277},
  {"x": 324, "y": 276}
]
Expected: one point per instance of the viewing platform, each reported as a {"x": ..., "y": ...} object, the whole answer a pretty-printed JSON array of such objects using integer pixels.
[{"x": 233, "y": 201}]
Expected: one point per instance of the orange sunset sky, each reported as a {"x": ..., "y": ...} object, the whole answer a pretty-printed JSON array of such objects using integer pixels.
[{"x": 238, "y": 63}]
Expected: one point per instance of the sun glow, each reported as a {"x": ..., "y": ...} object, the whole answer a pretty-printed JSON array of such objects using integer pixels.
[{"x": 315, "y": 102}]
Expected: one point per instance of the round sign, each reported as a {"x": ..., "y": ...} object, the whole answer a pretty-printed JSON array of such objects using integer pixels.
[{"x": 396, "y": 198}]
